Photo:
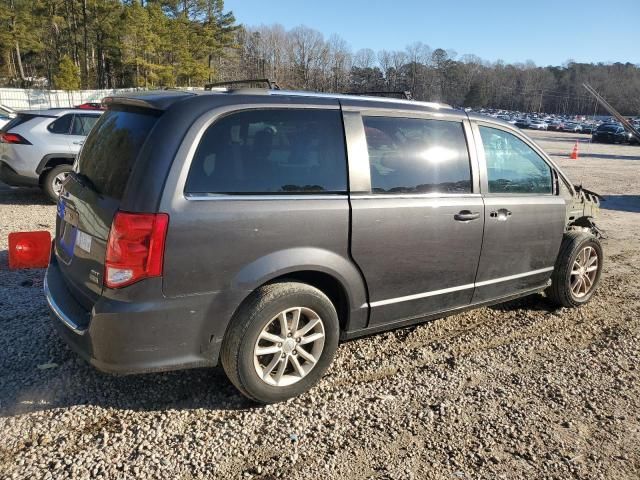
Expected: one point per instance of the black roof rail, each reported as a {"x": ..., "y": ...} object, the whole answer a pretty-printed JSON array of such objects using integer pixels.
[
  {"x": 404, "y": 94},
  {"x": 271, "y": 85}
]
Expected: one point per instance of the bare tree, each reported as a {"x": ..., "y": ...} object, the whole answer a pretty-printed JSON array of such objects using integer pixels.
[{"x": 364, "y": 58}]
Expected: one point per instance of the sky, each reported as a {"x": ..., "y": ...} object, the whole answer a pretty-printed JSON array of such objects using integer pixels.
[{"x": 544, "y": 31}]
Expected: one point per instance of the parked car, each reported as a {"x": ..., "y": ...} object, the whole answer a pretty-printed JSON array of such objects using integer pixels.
[
  {"x": 571, "y": 127},
  {"x": 538, "y": 125},
  {"x": 6, "y": 114},
  {"x": 90, "y": 106},
  {"x": 38, "y": 147},
  {"x": 256, "y": 229},
  {"x": 522, "y": 123},
  {"x": 610, "y": 133},
  {"x": 588, "y": 127}
]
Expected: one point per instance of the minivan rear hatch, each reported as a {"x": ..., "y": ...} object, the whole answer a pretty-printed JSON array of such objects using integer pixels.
[{"x": 92, "y": 195}]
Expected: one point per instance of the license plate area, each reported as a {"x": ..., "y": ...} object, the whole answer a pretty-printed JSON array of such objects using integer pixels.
[{"x": 68, "y": 231}]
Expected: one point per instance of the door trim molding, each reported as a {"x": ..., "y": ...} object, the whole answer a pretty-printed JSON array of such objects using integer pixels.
[
  {"x": 417, "y": 296},
  {"x": 432, "y": 293},
  {"x": 513, "y": 277}
]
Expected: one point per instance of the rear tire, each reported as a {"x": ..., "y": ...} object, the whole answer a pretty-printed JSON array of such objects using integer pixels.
[
  {"x": 266, "y": 352},
  {"x": 53, "y": 180},
  {"x": 577, "y": 270}
]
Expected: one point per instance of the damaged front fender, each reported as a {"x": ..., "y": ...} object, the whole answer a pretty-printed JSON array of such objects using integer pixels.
[{"x": 584, "y": 207}]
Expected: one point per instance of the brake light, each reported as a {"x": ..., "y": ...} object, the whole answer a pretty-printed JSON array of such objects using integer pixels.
[
  {"x": 135, "y": 248},
  {"x": 13, "y": 138}
]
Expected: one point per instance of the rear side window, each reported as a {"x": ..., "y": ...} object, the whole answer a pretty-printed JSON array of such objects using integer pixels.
[
  {"x": 82, "y": 124},
  {"x": 411, "y": 155},
  {"x": 62, "y": 125},
  {"x": 512, "y": 165},
  {"x": 275, "y": 151},
  {"x": 112, "y": 147}
]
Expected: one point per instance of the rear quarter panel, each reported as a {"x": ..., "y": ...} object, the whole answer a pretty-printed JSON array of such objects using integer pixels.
[{"x": 225, "y": 247}]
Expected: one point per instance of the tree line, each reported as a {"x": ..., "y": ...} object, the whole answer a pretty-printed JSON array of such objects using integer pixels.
[{"x": 72, "y": 44}]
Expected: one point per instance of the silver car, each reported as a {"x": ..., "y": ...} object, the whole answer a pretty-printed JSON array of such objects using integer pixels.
[
  {"x": 38, "y": 147},
  {"x": 538, "y": 125}
]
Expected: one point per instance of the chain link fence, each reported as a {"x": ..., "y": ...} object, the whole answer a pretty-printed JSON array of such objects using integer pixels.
[{"x": 33, "y": 99}]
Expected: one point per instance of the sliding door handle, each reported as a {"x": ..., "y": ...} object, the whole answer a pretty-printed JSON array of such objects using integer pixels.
[{"x": 466, "y": 216}]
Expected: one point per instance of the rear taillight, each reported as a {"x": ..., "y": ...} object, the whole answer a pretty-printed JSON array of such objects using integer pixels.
[
  {"x": 13, "y": 138},
  {"x": 135, "y": 248}
]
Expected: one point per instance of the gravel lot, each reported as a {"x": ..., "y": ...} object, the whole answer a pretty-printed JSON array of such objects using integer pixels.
[{"x": 517, "y": 390}]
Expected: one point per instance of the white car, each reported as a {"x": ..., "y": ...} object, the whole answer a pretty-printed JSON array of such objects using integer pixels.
[
  {"x": 538, "y": 125},
  {"x": 6, "y": 114},
  {"x": 38, "y": 147}
]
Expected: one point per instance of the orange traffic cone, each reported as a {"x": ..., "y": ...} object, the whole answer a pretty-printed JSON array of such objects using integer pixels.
[{"x": 574, "y": 154}]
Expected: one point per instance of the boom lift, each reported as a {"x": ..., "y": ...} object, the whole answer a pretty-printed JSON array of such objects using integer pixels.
[{"x": 625, "y": 123}]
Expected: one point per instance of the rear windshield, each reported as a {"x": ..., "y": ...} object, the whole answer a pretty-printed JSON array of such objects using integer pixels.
[
  {"x": 18, "y": 120},
  {"x": 112, "y": 147}
]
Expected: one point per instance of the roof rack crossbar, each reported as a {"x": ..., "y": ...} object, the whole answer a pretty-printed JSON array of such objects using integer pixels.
[
  {"x": 405, "y": 94},
  {"x": 271, "y": 85}
]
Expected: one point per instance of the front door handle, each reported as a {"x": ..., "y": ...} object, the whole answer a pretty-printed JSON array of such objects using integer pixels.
[
  {"x": 502, "y": 214},
  {"x": 466, "y": 215}
]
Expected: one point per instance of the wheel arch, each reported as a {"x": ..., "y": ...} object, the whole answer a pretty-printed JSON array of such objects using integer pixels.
[
  {"x": 52, "y": 160},
  {"x": 333, "y": 274},
  {"x": 327, "y": 284}
]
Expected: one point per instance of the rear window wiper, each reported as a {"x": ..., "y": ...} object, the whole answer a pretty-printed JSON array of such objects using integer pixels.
[{"x": 83, "y": 180}]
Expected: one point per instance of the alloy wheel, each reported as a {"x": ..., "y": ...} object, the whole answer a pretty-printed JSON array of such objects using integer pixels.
[
  {"x": 58, "y": 180},
  {"x": 584, "y": 271},
  {"x": 289, "y": 346}
]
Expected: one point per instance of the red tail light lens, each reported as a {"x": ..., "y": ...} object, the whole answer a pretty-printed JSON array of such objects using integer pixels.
[
  {"x": 135, "y": 248},
  {"x": 29, "y": 249},
  {"x": 13, "y": 138}
]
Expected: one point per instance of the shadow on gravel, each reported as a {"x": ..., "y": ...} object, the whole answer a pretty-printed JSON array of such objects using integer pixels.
[
  {"x": 563, "y": 139},
  {"x": 535, "y": 302},
  {"x": 74, "y": 384},
  {"x": 39, "y": 372},
  {"x": 22, "y": 196},
  {"x": 608, "y": 156},
  {"x": 622, "y": 203}
]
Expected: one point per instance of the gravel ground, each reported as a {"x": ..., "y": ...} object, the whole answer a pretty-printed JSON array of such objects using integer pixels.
[{"x": 519, "y": 390}]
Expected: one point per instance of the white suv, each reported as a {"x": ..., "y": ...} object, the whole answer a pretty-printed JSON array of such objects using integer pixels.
[
  {"x": 38, "y": 147},
  {"x": 6, "y": 115}
]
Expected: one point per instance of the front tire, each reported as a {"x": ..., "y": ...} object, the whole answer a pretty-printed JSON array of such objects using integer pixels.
[
  {"x": 577, "y": 270},
  {"x": 53, "y": 180},
  {"x": 280, "y": 341}
]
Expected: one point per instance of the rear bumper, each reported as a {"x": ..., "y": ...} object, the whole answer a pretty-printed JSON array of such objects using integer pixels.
[
  {"x": 130, "y": 336},
  {"x": 9, "y": 176}
]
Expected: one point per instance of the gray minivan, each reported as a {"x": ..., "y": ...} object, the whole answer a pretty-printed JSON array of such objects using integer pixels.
[{"x": 258, "y": 228}]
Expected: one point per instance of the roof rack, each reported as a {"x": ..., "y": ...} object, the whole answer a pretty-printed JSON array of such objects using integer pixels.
[
  {"x": 404, "y": 94},
  {"x": 271, "y": 85}
]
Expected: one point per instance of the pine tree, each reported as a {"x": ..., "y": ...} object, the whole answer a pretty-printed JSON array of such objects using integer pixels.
[{"x": 68, "y": 77}]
